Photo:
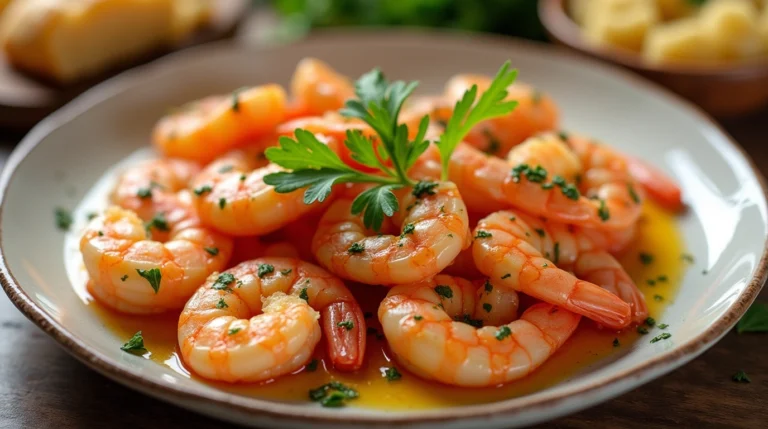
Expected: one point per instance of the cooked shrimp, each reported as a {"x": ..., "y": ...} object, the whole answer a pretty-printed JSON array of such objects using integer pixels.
[
  {"x": 489, "y": 184},
  {"x": 656, "y": 184},
  {"x": 205, "y": 129},
  {"x": 535, "y": 112},
  {"x": 432, "y": 229},
  {"x": 231, "y": 197},
  {"x": 317, "y": 88},
  {"x": 522, "y": 254},
  {"x": 143, "y": 187},
  {"x": 550, "y": 152},
  {"x": 132, "y": 273},
  {"x": 252, "y": 247},
  {"x": 258, "y": 321},
  {"x": 428, "y": 326}
]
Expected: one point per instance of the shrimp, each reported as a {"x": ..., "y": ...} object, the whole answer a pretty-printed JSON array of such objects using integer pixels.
[
  {"x": 535, "y": 112},
  {"x": 231, "y": 197},
  {"x": 207, "y": 128},
  {"x": 522, "y": 254},
  {"x": 433, "y": 328},
  {"x": 132, "y": 273},
  {"x": 488, "y": 184},
  {"x": 317, "y": 88},
  {"x": 259, "y": 320},
  {"x": 433, "y": 228},
  {"x": 145, "y": 188},
  {"x": 550, "y": 152}
]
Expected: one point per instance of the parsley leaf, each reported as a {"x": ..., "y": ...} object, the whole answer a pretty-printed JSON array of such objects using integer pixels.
[
  {"x": 153, "y": 276},
  {"x": 63, "y": 219},
  {"x": 392, "y": 374},
  {"x": 375, "y": 203},
  {"x": 135, "y": 345},
  {"x": 755, "y": 319},
  {"x": 741, "y": 377}
]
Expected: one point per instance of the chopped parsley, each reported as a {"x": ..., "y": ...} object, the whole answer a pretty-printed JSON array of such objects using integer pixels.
[
  {"x": 557, "y": 252},
  {"x": 408, "y": 229},
  {"x": 602, "y": 211},
  {"x": 755, "y": 319},
  {"x": 226, "y": 169},
  {"x": 616, "y": 342},
  {"x": 418, "y": 317},
  {"x": 741, "y": 377},
  {"x": 466, "y": 318},
  {"x": 503, "y": 332},
  {"x": 356, "y": 248},
  {"x": 91, "y": 215},
  {"x": 658, "y": 298},
  {"x": 286, "y": 271},
  {"x": 506, "y": 276},
  {"x": 392, "y": 374},
  {"x": 233, "y": 331},
  {"x": 144, "y": 193},
  {"x": 633, "y": 194},
  {"x": 650, "y": 321},
  {"x": 63, "y": 219},
  {"x": 333, "y": 394},
  {"x": 222, "y": 203},
  {"x": 423, "y": 188},
  {"x": 487, "y": 307},
  {"x": 346, "y": 324},
  {"x": 563, "y": 136},
  {"x": 303, "y": 295},
  {"x": 153, "y": 276},
  {"x": 483, "y": 234},
  {"x": 651, "y": 282},
  {"x": 221, "y": 304},
  {"x": 312, "y": 365},
  {"x": 687, "y": 257},
  {"x": 223, "y": 281},
  {"x": 540, "y": 232},
  {"x": 537, "y": 174},
  {"x": 663, "y": 326},
  {"x": 488, "y": 286},
  {"x": 135, "y": 345},
  {"x": 213, "y": 251},
  {"x": 158, "y": 222},
  {"x": 642, "y": 330},
  {"x": 265, "y": 269},
  {"x": 444, "y": 291},
  {"x": 124, "y": 278},
  {"x": 660, "y": 337},
  {"x": 645, "y": 258},
  {"x": 202, "y": 190}
]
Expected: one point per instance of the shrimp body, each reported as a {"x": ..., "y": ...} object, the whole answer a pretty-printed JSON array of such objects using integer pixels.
[
  {"x": 550, "y": 152},
  {"x": 425, "y": 326},
  {"x": 535, "y": 112},
  {"x": 145, "y": 187},
  {"x": 232, "y": 197},
  {"x": 522, "y": 256},
  {"x": 259, "y": 320},
  {"x": 123, "y": 262},
  {"x": 207, "y": 128},
  {"x": 433, "y": 229},
  {"x": 317, "y": 88}
]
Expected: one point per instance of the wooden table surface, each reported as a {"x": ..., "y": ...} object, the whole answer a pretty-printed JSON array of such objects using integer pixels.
[{"x": 41, "y": 386}]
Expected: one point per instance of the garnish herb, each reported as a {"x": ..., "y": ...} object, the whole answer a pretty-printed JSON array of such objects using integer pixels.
[
  {"x": 660, "y": 337},
  {"x": 658, "y": 298},
  {"x": 602, "y": 211},
  {"x": 408, "y": 229},
  {"x": 265, "y": 269},
  {"x": 642, "y": 330},
  {"x": 221, "y": 304},
  {"x": 418, "y": 317},
  {"x": 63, "y": 219},
  {"x": 317, "y": 168},
  {"x": 483, "y": 234},
  {"x": 487, "y": 307},
  {"x": 286, "y": 271},
  {"x": 213, "y": 251},
  {"x": 663, "y": 326},
  {"x": 135, "y": 345},
  {"x": 223, "y": 281},
  {"x": 444, "y": 291},
  {"x": 540, "y": 232},
  {"x": 616, "y": 342},
  {"x": 651, "y": 282},
  {"x": 124, "y": 278},
  {"x": 633, "y": 194},
  {"x": 563, "y": 136},
  {"x": 687, "y": 258},
  {"x": 645, "y": 258},
  {"x": 222, "y": 203},
  {"x": 233, "y": 331},
  {"x": 650, "y": 321},
  {"x": 506, "y": 276},
  {"x": 236, "y": 99},
  {"x": 392, "y": 374},
  {"x": 203, "y": 190},
  {"x": 153, "y": 276},
  {"x": 503, "y": 332},
  {"x": 741, "y": 377},
  {"x": 466, "y": 318},
  {"x": 158, "y": 222},
  {"x": 333, "y": 394},
  {"x": 755, "y": 319},
  {"x": 346, "y": 324},
  {"x": 312, "y": 365},
  {"x": 557, "y": 252},
  {"x": 356, "y": 248},
  {"x": 303, "y": 294},
  {"x": 91, "y": 215},
  {"x": 488, "y": 286}
]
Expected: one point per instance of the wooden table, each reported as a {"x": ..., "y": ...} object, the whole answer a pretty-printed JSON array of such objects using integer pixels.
[{"x": 41, "y": 386}]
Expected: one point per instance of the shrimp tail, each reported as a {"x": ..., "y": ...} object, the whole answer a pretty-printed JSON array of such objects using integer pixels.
[
  {"x": 344, "y": 328},
  {"x": 660, "y": 187}
]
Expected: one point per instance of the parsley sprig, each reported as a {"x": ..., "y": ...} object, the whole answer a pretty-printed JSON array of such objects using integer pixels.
[{"x": 314, "y": 166}]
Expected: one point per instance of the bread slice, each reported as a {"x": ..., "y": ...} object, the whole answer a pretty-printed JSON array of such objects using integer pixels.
[{"x": 68, "y": 40}]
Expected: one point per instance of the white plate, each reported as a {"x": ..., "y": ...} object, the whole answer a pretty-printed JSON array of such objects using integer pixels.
[{"x": 64, "y": 155}]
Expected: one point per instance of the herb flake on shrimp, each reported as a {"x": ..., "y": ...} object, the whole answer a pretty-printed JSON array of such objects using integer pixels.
[{"x": 316, "y": 168}]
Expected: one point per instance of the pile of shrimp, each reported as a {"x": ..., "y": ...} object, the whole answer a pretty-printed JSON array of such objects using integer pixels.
[{"x": 261, "y": 278}]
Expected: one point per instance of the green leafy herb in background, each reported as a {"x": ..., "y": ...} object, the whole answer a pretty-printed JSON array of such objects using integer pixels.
[{"x": 755, "y": 319}]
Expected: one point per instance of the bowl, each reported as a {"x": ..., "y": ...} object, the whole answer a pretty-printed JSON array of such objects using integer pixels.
[{"x": 721, "y": 90}]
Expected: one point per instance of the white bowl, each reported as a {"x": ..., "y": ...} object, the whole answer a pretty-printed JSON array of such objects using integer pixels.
[{"x": 59, "y": 161}]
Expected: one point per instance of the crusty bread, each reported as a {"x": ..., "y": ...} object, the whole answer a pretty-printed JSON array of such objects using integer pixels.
[{"x": 67, "y": 40}]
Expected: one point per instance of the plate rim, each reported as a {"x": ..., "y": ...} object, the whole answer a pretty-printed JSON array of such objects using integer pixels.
[{"x": 663, "y": 363}]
